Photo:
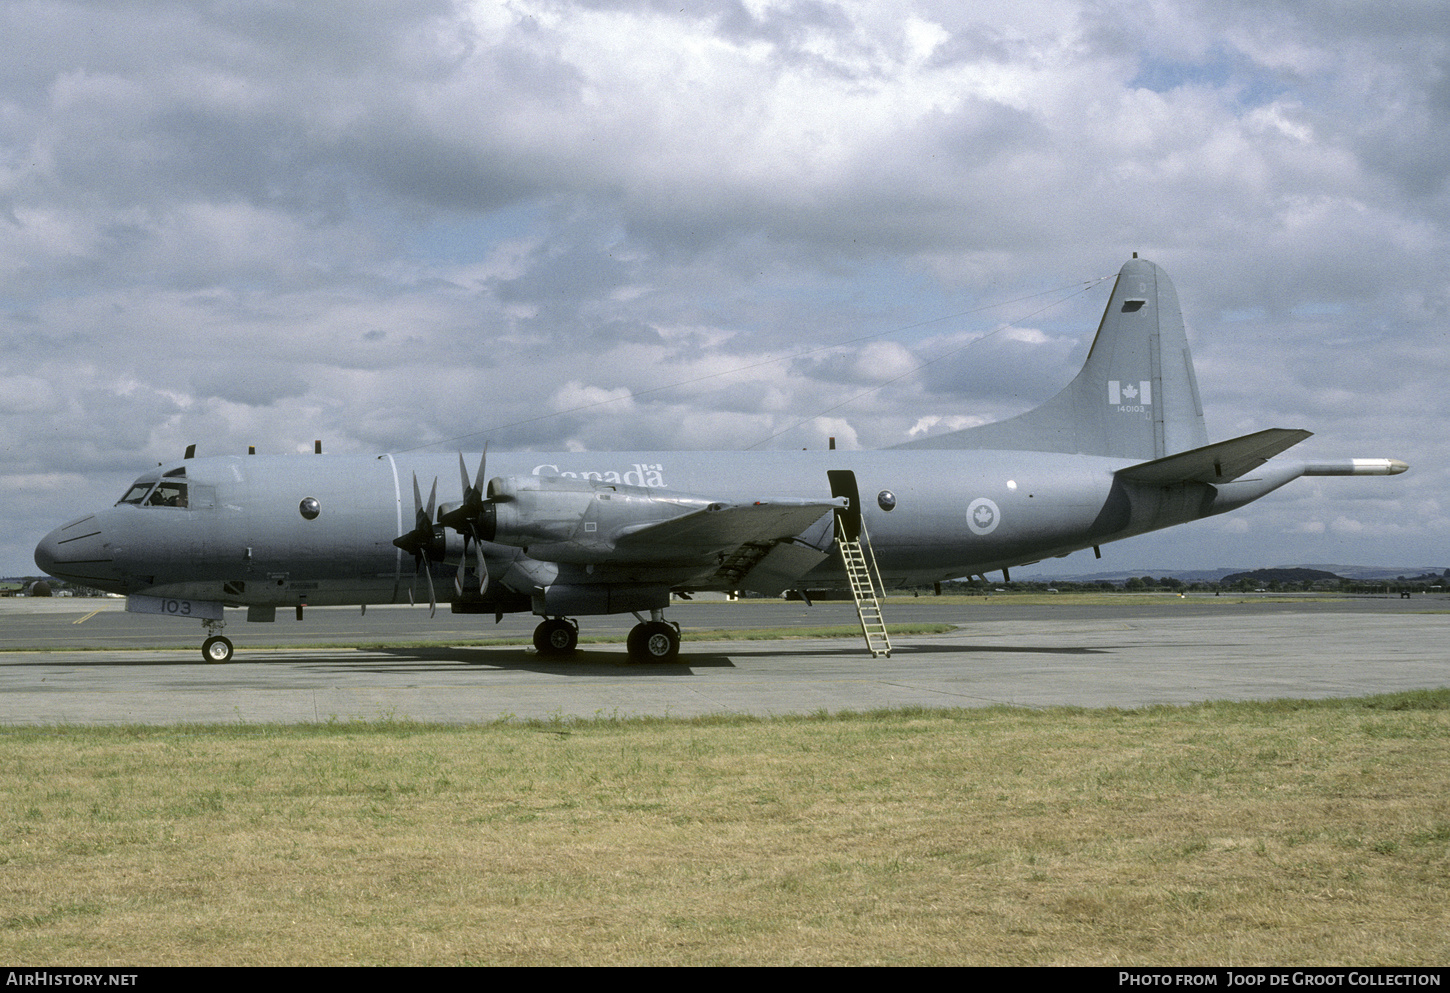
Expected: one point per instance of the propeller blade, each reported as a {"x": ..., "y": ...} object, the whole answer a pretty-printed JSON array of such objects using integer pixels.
[
  {"x": 472, "y": 492},
  {"x": 419, "y": 540},
  {"x": 427, "y": 524},
  {"x": 459, "y": 516},
  {"x": 464, "y": 518},
  {"x": 479, "y": 482},
  {"x": 482, "y": 563}
]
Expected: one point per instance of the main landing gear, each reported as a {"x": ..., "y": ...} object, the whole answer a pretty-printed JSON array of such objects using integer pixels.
[
  {"x": 216, "y": 648},
  {"x": 656, "y": 640},
  {"x": 556, "y": 636}
]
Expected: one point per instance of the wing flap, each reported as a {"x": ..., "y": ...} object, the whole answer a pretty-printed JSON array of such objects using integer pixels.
[{"x": 1218, "y": 463}]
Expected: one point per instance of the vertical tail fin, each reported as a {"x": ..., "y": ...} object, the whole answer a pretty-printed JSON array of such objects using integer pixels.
[{"x": 1136, "y": 396}]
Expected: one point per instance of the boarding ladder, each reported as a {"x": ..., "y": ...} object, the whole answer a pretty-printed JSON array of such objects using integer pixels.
[{"x": 864, "y": 577}]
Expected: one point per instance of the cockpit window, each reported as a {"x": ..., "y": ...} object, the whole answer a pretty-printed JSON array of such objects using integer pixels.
[
  {"x": 150, "y": 493},
  {"x": 138, "y": 491},
  {"x": 167, "y": 494}
]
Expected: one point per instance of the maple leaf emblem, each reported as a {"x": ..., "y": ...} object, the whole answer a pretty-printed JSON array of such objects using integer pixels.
[
  {"x": 983, "y": 516},
  {"x": 1130, "y": 391}
]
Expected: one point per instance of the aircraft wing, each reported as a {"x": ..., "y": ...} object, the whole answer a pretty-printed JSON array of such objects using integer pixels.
[
  {"x": 722, "y": 528},
  {"x": 1217, "y": 463}
]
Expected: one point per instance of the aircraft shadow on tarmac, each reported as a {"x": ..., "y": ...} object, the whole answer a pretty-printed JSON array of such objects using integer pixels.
[
  {"x": 610, "y": 662},
  {"x": 583, "y": 663},
  {"x": 616, "y": 664}
]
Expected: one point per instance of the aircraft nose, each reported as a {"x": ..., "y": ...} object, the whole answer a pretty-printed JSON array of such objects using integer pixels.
[
  {"x": 77, "y": 551},
  {"x": 45, "y": 554}
]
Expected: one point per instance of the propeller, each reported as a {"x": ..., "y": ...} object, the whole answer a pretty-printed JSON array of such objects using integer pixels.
[
  {"x": 420, "y": 540},
  {"x": 464, "y": 519}
]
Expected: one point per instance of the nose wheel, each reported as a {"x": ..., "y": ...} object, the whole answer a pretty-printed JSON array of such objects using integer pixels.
[{"x": 216, "y": 649}]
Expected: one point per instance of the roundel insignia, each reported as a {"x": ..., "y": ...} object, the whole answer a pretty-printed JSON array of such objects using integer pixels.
[{"x": 983, "y": 516}]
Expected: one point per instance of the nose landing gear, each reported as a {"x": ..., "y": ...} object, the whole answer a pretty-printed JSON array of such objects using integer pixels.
[{"x": 216, "y": 648}]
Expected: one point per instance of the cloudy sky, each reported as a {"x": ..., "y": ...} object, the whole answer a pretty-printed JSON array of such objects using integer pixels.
[{"x": 609, "y": 225}]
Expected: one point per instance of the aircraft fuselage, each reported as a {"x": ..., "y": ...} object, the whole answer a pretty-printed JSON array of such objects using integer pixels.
[{"x": 284, "y": 530}]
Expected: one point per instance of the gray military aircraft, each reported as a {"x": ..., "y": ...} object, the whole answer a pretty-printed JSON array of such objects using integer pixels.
[{"x": 1121, "y": 451}]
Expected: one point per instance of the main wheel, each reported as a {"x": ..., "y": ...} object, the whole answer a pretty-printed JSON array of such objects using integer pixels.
[
  {"x": 217, "y": 649},
  {"x": 654, "y": 641},
  {"x": 556, "y": 636}
]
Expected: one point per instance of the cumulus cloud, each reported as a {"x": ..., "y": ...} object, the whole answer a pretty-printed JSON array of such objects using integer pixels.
[{"x": 580, "y": 223}]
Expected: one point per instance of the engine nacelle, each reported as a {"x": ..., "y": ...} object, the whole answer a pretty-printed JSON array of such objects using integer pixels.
[{"x": 564, "y": 519}]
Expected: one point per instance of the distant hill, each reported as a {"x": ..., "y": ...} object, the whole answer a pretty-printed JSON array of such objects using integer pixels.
[
  {"x": 1221, "y": 574},
  {"x": 1300, "y": 574}
]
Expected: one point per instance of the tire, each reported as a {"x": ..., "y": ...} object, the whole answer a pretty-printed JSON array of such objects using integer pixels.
[
  {"x": 556, "y": 636},
  {"x": 654, "y": 641},
  {"x": 217, "y": 650}
]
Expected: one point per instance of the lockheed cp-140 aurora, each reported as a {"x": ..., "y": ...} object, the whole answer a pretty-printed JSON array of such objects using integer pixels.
[{"x": 1121, "y": 451}]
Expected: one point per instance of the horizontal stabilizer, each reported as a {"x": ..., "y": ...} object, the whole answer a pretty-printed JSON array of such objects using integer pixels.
[
  {"x": 1217, "y": 463},
  {"x": 706, "y": 532}
]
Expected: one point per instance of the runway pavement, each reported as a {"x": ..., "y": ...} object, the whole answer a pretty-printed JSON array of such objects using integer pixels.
[{"x": 1130, "y": 653}]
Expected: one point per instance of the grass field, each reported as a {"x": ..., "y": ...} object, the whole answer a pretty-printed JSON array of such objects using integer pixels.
[{"x": 1244, "y": 833}]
